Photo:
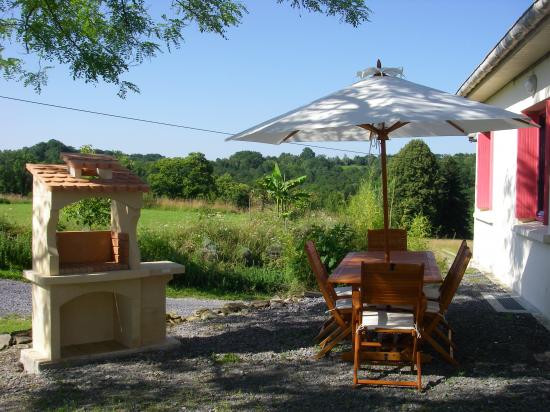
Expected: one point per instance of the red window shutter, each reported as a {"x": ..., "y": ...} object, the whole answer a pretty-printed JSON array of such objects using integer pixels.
[
  {"x": 547, "y": 163},
  {"x": 484, "y": 195},
  {"x": 526, "y": 175}
]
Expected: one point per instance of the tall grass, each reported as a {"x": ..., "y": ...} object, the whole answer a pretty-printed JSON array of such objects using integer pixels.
[
  {"x": 14, "y": 198},
  {"x": 253, "y": 253},
  {"x": 15, "y": 246},
  {"x": 165, "y": 203}
]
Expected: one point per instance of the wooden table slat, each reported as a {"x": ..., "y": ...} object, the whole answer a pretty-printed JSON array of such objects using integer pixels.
[{"x": 349, "y": 269}]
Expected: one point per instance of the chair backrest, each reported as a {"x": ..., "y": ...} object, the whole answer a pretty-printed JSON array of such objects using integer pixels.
[
  {"x": 463, "y": 245},
  {"x": 397, "y": 239},
  {"x": 321, "y": 274},
  {"x": 454, "y": 277},
  {"x": 392, "y": 284}
]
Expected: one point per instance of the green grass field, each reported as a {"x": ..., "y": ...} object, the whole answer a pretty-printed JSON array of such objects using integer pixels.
[{"x": 20, "y": 214}]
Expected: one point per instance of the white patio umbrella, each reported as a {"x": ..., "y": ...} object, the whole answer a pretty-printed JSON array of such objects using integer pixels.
[{"x": 383, "y": 106}]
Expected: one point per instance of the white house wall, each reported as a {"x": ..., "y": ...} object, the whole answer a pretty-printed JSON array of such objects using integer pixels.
[{"x": 521, "y": 262}]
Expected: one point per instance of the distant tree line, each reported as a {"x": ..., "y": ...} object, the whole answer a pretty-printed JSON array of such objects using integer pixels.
[{"x": 439, "y": 187}]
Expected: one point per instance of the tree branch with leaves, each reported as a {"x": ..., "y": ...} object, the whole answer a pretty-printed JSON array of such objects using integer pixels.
[{"x": 100, "y": 40}]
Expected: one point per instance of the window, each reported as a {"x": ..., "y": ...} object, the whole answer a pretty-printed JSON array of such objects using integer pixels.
[
  {"x": 533, "y": 167},
  {"x": 484, "y": 189}
]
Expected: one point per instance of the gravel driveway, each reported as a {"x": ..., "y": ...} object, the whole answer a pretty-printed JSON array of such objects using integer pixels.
[
  {"x": 15, "y": 298},
  {"x": 263, "y": 361}
]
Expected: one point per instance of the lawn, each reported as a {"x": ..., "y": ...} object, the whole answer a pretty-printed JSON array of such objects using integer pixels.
[
  {"x": 13, "y": 323},
  {"x": 21, "y": 215}
]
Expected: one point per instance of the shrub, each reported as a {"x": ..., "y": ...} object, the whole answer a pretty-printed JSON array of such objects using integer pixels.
[
  {"x": 92, "y": 212},
  {"x": 418, "y": 233},
  {"x": 332, "y": 243},
  {"x": 364, "y": 211}
]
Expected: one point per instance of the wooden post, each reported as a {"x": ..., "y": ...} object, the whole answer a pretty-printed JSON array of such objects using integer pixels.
[{"x": 382, "y": 137}]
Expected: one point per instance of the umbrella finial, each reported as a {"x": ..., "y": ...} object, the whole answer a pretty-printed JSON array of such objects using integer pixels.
[{"x": 380, "y": 71}]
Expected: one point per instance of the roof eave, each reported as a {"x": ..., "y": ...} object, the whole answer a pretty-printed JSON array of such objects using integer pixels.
[{"x": 521, "y": 31}]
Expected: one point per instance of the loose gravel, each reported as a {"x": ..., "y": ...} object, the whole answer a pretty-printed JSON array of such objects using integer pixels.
[
  {"x": 264, "y": 360},
  {"x": 15, "y": 298},
  {"x": 186, "y": 306}
]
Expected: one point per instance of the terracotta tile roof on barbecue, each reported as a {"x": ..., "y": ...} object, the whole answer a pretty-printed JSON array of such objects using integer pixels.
[
  {"x": 58, "y": 178},
  {"x": 90, "y": 161}
]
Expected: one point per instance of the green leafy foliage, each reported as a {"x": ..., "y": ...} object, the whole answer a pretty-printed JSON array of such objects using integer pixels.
[
  {"x": 282, "y": 190},
  {"x": 94, "y": 212},
  {"x": 418, "y": 233},
  {"x": 457, "y": 199},
  {"x": 100, "y": 40},
  {"x": 232, "y": 192},
  {"x": 331, "y": 182},
  {"x": 332, "y": 243},
  {"x": 364, "y": 211},
  {"x": 188, "y": 177},
  {"x": 417, "y": 178}
]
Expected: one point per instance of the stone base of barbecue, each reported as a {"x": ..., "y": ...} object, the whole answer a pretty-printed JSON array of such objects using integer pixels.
[{"x": 83, "y": 316}]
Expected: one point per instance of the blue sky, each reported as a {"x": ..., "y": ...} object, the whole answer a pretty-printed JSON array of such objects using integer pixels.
[{"x": 276, "y": 60}]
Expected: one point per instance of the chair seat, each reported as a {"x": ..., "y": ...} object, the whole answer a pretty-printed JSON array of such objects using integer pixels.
[
  {"x": 381, "y": 319},
  {"x": 431, "y": 292},
  {"x": 343, "y": 304},
  {"x": 431, "y": 307},
  {"x": 343, "y": 292}
]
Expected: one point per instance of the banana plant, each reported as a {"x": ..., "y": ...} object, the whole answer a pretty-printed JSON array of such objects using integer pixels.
[{"x": 281, "y": 190}]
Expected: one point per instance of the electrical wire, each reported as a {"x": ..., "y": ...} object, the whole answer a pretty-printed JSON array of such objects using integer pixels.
[{"x": 181, "y": 126}]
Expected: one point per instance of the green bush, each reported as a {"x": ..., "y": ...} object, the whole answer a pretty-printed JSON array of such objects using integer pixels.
[
  {"x": 364, "y": 211},
  {"x": 418, "y": 233},
  {"x": 332, "y": 243}
]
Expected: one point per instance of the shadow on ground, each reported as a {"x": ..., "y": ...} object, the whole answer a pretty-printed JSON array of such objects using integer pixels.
[{"x": 503, "y": 367}]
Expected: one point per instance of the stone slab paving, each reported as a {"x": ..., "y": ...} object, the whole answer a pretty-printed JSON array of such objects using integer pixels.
[{"x": 262, "y": 360}]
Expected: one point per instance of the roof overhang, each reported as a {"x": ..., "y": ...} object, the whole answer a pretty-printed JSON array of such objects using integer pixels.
[{"x": 526, "y": 43}]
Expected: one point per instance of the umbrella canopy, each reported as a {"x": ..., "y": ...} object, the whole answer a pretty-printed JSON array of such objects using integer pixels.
[
  {"x": 383, "y": 99},
  {"x": 383, "y": 106}
]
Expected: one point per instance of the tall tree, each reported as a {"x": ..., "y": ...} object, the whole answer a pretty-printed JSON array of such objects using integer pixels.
[
  {"x": 102, "y": 39},
  {"x": 189, "y": 177},
  {"x": 415, "y": 174},
  {"x": 454, "y": 217}
]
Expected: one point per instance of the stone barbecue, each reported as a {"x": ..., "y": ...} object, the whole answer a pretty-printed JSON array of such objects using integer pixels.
[{"x": 91, "y": 294}]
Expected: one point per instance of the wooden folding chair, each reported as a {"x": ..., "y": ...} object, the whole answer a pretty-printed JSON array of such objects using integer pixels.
[
  {"x": 338, "y": 326},
  {"x": 384, "y": 285},
  {"x": 436, "y": 325},
  {"x": 397, "y": 239},
  {"x": 433, "y": 291}
]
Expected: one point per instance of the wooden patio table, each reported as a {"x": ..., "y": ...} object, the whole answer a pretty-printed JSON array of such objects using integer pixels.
[{"x": 349, "y": 272}]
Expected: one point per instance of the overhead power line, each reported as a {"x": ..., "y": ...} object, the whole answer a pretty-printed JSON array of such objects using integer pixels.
[
  {"x": 328, "y": 148},
  {"x": 138, "y": 119}
]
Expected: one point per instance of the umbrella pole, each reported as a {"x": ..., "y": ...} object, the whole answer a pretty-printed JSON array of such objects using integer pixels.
[{"x": 382, "y": 137}]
